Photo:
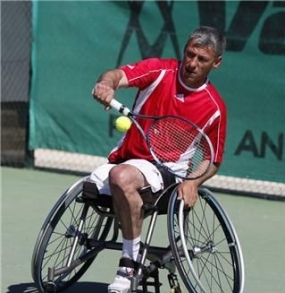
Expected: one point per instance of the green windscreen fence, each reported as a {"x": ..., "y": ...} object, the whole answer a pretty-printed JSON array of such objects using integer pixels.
[{"x": 76, "y": 41}]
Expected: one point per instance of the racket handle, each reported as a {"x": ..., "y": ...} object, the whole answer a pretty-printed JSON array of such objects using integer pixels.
[{"x": 120, "y": 107}]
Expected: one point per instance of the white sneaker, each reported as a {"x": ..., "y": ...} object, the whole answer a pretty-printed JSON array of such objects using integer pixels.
[
  {"x": 122, "y": 282},
  {"x": 120, "y": 285}
]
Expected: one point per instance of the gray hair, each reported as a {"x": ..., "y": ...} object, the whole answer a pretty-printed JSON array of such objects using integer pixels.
[{"x": 206, "y": 36}]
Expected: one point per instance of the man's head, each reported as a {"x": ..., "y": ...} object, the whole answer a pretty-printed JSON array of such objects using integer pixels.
[{"x": 202, "y": 53}]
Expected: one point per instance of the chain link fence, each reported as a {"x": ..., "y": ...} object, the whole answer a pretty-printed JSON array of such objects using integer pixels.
[{"x": 15, "y": 78}]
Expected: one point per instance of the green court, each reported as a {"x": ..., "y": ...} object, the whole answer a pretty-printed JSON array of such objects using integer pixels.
[{"x": 28, "y": 196}]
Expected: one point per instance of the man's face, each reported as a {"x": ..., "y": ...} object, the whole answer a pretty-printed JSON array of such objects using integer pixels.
[{"x": 197, "y": 63}]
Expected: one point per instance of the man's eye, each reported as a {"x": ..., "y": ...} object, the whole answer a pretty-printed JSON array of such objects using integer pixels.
[
  {"x": 190, "y": 55},
  {"x": 202, "y": 59}
]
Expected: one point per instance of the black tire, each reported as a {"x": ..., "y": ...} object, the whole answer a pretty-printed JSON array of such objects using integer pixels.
[
  {"x": 57, "y": 236},
  {"x": 205, "y": 246}
]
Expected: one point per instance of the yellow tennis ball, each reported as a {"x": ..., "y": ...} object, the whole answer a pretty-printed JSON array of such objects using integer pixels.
[{"x": 123, "y": 123}]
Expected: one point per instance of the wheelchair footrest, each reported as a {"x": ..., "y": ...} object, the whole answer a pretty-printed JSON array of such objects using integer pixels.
[
  {"x": 174, "y": 284},
  {"x": 145, "y": 283}
]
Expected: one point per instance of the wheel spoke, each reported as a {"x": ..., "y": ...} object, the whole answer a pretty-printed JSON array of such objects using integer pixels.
[
  {"x": 214, "y": 258},
  {"x": 61, "y": 229}
]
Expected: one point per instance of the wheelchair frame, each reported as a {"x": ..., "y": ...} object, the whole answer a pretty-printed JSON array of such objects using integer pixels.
[{"x": 204, "y": 245}]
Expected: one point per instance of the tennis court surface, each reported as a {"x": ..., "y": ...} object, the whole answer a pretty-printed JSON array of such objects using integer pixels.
[{"x": 28, "y": 196}]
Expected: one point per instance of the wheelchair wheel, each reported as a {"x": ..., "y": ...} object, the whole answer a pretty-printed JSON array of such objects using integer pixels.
[
  {"x": 60, "y": 238},
  {"x": 205, "y": 246}
]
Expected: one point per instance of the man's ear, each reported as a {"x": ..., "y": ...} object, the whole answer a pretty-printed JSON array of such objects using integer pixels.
[{"x": 217, "y": 62}]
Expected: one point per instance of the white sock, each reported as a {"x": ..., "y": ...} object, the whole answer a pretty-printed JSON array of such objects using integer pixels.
[{"x": 131, "y": 248}]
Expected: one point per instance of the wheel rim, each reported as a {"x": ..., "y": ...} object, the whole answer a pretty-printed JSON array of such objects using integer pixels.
[
  {"x": 57, "y": 238},
  {"x": 206, "y": 250}
]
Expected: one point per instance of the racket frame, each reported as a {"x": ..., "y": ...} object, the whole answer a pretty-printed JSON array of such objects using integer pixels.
[{"x": 121, "y": 108}]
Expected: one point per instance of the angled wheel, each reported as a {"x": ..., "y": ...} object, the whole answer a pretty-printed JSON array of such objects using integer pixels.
[
  {"x": 205, "y": 246},
  {"x": 60, "y": 240}
]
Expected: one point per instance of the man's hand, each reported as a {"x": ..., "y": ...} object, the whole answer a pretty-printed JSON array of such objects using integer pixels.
[
  {"x": 103, "y": 93},
  {"x": 188, "y": 191},
  {"x": 108, "y": 82}
]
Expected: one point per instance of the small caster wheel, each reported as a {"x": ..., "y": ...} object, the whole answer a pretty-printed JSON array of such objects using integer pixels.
[{"x": 50, "y": 287}]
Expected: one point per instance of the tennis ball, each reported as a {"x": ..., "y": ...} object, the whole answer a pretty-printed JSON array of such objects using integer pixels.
[{"x": 123, "y": 123}]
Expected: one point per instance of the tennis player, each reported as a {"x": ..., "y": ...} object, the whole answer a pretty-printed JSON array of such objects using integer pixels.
[{"x": 165, "y": 87}]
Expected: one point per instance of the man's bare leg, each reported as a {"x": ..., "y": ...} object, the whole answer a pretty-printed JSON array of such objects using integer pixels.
[{"x": 125, "y": 182}]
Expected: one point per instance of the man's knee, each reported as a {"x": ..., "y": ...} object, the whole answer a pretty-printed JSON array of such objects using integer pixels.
[
  {"x": 126, "y": 179},
  {"x": 119, "y": 175}
]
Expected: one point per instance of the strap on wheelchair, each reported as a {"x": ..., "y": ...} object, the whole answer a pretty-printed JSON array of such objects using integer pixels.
[
  {"x": 90, "y": 193},
  {"x": 90, "y": 190},
  {"x": 168, "y": 178},
  {"x": 149, "y": 198}
]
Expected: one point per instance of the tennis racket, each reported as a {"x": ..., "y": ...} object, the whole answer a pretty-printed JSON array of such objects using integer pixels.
[{"x": 175, "y": 143}]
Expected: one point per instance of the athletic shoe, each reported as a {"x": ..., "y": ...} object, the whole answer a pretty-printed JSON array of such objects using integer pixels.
[{"x": 122, "y": 281}]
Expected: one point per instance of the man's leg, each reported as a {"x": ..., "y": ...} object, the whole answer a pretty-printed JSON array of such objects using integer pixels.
[{"x": 125, "y": 183}]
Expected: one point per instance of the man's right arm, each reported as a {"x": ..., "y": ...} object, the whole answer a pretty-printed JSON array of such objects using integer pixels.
[{"x": 108, "y": 82}]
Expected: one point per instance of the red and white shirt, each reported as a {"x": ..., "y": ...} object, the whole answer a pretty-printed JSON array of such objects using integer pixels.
[{"x": 162, "y": 92}]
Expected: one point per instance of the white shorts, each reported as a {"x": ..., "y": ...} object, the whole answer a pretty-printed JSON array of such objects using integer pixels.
[{"x": 152, "y": 175}]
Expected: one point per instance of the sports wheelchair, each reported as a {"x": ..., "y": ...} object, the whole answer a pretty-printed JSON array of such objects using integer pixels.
[{"x": 203, "y": 245}]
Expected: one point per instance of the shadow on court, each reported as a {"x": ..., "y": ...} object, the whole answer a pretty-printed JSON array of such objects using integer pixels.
[{"x": 78, "y": 287}]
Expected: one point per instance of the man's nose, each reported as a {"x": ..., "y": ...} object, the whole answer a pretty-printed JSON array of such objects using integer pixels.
[{"x": 192, "y": 63}]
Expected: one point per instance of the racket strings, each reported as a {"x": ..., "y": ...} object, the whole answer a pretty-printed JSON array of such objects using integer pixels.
[{"x": 173, "y": 140}]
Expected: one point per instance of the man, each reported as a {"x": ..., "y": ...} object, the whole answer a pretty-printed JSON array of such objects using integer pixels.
[{"x": 166, "y": 87}]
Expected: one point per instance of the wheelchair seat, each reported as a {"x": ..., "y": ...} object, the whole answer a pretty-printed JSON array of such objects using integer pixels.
[{"x": 151, "y": 201}]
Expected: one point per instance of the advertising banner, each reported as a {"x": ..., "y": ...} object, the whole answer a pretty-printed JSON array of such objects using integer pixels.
[{"x": 75, "y": 41}]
